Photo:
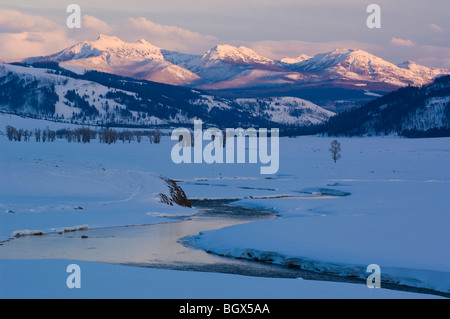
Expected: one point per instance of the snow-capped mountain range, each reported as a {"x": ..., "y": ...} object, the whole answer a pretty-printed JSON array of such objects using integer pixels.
[
  {"x": 131, "y": 87},
  {"x": 226, "y": 67}
]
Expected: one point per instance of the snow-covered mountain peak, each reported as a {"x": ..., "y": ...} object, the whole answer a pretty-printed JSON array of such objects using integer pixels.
[
  {"x": 300, "y": 58},
  {"x": 108, "y": 38},
  {"x": 141, "y": 49},
  {"x": 413, "y": 66},
  {"x": 421, "y": 70},
  {"x": 325, "y": 60},
  {"x": 110, "y": 47},
  {"x": 351, "y": 59},
  {"x": 360, "y": 54},
  {"x": 359, "y": 65},
  {"x": 109, "y": 54},
  {"x": 342, "y": 51},
  {"x": 234, "y": 55},
  {"x": 143, "y": 41},
  {"x": 341, "y": 54},
  {"x": 346, "y": 53}
]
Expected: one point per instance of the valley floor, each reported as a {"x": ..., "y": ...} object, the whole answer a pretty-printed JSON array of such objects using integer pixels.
[{"x": 394, "y": 214}]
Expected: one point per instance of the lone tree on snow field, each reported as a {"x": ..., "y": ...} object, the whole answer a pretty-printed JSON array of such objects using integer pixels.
[{"x": 335, "y": 150}]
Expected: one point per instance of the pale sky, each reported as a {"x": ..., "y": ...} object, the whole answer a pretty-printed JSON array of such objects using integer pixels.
[{"x": 416, "y": 30}]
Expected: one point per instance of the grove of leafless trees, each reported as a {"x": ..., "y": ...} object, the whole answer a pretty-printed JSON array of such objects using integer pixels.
[{"x": 82, "y": 135}]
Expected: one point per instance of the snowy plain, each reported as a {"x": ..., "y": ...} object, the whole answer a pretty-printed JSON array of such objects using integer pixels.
[
  {"x": 396, "y": 215},
  {"x": 50, "y": 187}
]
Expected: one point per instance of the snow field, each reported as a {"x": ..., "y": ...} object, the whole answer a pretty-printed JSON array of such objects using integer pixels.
[{"x": 395, "y": 216}]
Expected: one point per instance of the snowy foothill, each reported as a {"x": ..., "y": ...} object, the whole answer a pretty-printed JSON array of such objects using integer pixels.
[
  {"x": 84, "y": 101},
  {"x": 394, "y": 212}
]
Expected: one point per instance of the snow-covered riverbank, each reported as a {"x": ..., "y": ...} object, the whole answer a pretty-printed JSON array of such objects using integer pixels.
[
  {"x": 60, "y": 186},
  {"x": 47, "y": 279}
]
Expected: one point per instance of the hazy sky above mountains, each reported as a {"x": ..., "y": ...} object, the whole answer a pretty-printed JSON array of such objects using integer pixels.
[{"x": 410, "y": 30}]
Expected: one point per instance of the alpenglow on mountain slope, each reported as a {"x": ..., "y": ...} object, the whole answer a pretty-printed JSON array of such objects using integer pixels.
[
  {"x": 105, "y": 99},
  {"x": 140, "y": 60},
  {"x": 226, "y": 67}
]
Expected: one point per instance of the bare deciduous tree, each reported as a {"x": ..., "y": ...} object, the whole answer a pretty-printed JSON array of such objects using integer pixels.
[
  {"x": 138, "y": 136},
  {"x": 44, "y": 136},
  {"x": 108, "y": 136},
  {"x": 157, "y": 136},
  {"x": 37, "y": 134},
  {"x": 11, "y": 132},
  {"x": 335, "y": 150}
]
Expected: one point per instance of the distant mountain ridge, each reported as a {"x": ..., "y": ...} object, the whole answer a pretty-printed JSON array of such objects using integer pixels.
[
  {"x": 226, "y": 67},
  {"x": 50, "y": 92}
]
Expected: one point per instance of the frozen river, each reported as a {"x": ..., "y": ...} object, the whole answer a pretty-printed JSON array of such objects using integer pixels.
[
  {"x": 164, "y": 245},
  {"x": 161, "y": 245}
]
